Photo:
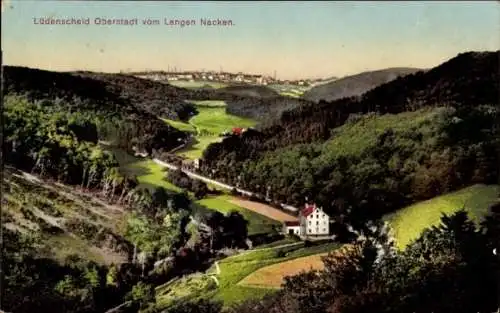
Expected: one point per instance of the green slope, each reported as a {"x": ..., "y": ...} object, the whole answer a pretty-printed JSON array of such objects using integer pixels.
[{"x": 408, "y": 223}]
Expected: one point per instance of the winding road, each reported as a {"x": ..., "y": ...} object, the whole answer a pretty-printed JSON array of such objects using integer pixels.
[{"x": 214, "y": 182}]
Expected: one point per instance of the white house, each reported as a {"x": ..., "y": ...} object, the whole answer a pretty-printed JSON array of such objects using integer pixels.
[{"x": 313, "y": 221}]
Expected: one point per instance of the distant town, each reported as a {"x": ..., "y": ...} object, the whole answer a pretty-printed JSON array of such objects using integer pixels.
[{"x": 223, "y": 77}]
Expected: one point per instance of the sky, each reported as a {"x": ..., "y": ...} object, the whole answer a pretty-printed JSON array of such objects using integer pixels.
[{"x": 295, "y": 39}]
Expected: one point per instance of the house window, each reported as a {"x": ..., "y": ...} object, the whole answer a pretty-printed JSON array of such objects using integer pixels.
[
  {"x": 309, "y": 230},
  {"x": 324, "y": 230},
  {"x": 309, "y": 222},
  {"x": 317, "y": 215},
  {"x": 317, "y": 222},
  {"x": 317, "y": 229}
]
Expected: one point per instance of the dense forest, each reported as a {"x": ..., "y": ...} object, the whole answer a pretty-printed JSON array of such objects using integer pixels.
[
  {"x": 469, "y": 79},
  {"x": 444, "y": 137},
  {"x": 264, "y": 110}
]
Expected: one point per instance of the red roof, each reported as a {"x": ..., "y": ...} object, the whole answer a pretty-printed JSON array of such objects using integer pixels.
[
  {"x": 292, "y": 223},
  {"x": 237, "y": 130},
  {"x": 308, "y": 209}
]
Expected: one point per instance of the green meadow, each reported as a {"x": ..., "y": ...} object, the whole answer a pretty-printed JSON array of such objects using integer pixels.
[{"x": 408, "y": 223}]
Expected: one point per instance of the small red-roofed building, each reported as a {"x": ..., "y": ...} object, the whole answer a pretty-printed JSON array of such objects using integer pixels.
[
  {"x": 238, "y": 131},
  {"x": 293, "y": 228}
]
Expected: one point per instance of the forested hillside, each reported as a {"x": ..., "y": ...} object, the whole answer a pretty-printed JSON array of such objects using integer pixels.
[
  {"x": 377, "y": 159},
  {"x": 469, "y": 79},
  {"x": 265, "y": 110},
  {"x": 83, "y": 235},
  {"x": 124, "y": 109}
]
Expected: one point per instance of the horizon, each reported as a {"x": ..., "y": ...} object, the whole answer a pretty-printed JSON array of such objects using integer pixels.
[{"x": 285, "y": 37}]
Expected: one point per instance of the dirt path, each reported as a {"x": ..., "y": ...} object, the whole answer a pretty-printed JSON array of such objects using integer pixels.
[{"x": 264, "y": 209}]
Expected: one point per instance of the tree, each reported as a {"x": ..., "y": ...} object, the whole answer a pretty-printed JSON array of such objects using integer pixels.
[
  {"x": 142, "y": 293},
  {"x": 236, "y": 228}
]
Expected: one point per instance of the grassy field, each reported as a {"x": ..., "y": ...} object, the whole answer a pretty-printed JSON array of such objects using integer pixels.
[
  {"x": 207, "y": 125},
  {"x": 214, "y": 119},
  {"x": 182, "y": 126},
  {"x": 278, "y": 243},
  {"x": 209, "y": 103},
  {"x": 257, "y": 223},
  {"x": 236, "y": 268},
  {"x": 196, "y": 84},
  {"x": 149, "y": 174},
  {"x": 273, "y": 276},
  {"x": 409, "y": 222},
  {"x": 195, "y": 150},
  {"x": 183, "y": 289},
  {"x": 291, "y": 94}
]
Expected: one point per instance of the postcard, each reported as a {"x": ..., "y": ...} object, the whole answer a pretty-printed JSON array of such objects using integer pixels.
[{"x": 250, "y": 157}]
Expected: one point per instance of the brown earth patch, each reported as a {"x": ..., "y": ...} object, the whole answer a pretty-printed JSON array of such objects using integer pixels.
[
  {"x": 264, "y": 209},
  {"x": 273, "y": 276}
]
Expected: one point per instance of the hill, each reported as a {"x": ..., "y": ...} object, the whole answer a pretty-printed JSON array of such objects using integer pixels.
[
  {"x": 355, "y": 85},
  {"x": 264, "y": 110},
  {"x": 109, "y": 92},
  {"x": 469, "y": 79},
  {"x": 427, "y": 134},
  {"x": 157, "y": 98},
  {"x": 68, "y": 221},
  {"x": 126, "y": 107},
  {"x": 385, "y": 160}
]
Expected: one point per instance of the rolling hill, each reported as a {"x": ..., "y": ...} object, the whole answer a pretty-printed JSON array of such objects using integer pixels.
[
  {"x": 108, "y": 92},
  {"x": 409, "y": 222},
  {"x": 355, "y": 85},
  {"x": 469, "y": 79},
  {"x": 126, "y": 106},
  {"x": 448, "y": 114}
]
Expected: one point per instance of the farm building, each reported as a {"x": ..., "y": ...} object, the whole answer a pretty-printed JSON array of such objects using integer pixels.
[
  {"x": 313, "y": 221},
  {"x": 293, "y": 228}
]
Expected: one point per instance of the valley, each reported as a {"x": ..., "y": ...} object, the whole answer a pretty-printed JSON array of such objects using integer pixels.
[
  {"x": 207, "y": 126},
  {"x": 102, "y": 195}
]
